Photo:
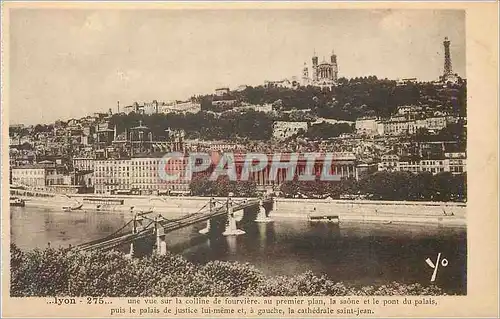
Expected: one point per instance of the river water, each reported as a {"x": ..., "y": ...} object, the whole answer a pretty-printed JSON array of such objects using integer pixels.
[{"x": 356, "y": 253}]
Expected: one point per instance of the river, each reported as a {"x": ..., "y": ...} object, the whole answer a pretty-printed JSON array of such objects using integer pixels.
[{"x": 357, "y": 253}]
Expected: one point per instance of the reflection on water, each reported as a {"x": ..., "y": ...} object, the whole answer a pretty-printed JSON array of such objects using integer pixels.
[
  {"x": 355, "y": 253},
  {"x": 35, "y": 228}
]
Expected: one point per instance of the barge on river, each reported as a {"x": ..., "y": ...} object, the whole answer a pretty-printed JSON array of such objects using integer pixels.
[
  {"x": 328, "y": 218},
  {"x": 16, "y": 201}
]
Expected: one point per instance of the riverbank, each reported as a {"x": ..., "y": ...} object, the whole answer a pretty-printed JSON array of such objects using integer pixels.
[
  {"x": 386, "y": 212},
  {"x": 436, "y": 213}
]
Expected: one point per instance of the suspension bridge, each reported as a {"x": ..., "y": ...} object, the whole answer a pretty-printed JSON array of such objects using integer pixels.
[{"x": 150, "y": 224}]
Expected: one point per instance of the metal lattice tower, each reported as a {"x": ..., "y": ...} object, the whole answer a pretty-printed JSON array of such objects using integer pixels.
[{"x": 447, "y": 58}]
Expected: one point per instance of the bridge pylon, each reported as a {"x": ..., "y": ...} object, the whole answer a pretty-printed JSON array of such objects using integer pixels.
[
  {"x": 264, "y": 211},
  {"x": 205, "y": 230},
  {"x": 161, "y": 243},
  {"x": 231, "y": 228},
  {"x": 137, "y": 225}
]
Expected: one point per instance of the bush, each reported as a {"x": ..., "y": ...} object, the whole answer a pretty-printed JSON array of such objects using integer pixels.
[
  {"x": 306, "y": 284},
  {"x": 39, "y": 272},
  {"x": 168, "y": 276},
  {"x": 59, "y": 272},
  {"x": 102, "y": 274},
  {"x": 234, "y": 279}
]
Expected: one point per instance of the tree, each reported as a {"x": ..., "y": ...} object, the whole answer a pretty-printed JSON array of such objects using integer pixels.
[
  {"x": 290, "y": 188},
  {"x": 422, "y": 187},
  {"x": 26, "y": 146},
  {"x": 206, "y": 104},
  {"x": 422, "y": 134},
  {"x": 388, "y": 185},
  {"x": 200, "y": 185},
  {"x": 244, "y": 188},
  {"x": 453, "y": 132},
  {"x": 327, "y": 130},
  {"x": 444, "y": 186}
]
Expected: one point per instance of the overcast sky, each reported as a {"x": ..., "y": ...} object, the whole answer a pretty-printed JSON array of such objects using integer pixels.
[{"x": 69, "y": 63}]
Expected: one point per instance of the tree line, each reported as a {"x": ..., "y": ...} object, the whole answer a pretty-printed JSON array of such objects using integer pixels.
[
  {"x": 384, "y": 185},
  {"x": 203, "y": 125},
  {"x": 201, "y": 185},
  {"x": 356, "y": 97},
  {"x": 249, "y": 125}
]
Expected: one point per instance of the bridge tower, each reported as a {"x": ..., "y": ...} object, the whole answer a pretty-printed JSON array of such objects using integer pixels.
[
  {"x": 142, "y": 246},
  {"x": 206, "y": 230},
  {"x": 231, "y": 228},
  {"x": 137, "y": 225}
]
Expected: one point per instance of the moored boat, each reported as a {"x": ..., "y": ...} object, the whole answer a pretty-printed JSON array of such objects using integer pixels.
[
  {"x": 68, "y": 208},
  {"x": 324, "y": 218},
  {"x": 16, "y": 201}
]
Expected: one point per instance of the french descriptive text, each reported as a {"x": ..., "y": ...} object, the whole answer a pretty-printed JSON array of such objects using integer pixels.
[
  {"x": 243, "y": 306},
  {"x": 285, "y": 306}
]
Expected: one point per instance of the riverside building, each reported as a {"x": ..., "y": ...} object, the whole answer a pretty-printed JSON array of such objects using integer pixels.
[
  {"x": 451, "y": 162},
  {"x": 139, "y": 175}
]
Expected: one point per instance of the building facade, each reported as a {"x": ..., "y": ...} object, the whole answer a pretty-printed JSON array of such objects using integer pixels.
[
  {"x": 146, "y": 176},
  {"x": 221, "y": 91},
  {"x": 139, "y": 175},
  {"x": 83, "y": 163},
  {"x": 395, "y": 127},
  {"x": 388, "y": 163},
  {"x": 180, "y": 107},
  {"x": 343, "y": 165},
  {"x": 111, "y": 175},
  {"x": 454, "y": 163},
  {"x": 29, "y": 175},
  {"x": 38, "y": 175},
  {"x": 366, "y": 126}
]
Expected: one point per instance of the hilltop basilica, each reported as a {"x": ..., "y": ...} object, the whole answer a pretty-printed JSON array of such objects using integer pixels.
[{"x": 324, "y": 74}]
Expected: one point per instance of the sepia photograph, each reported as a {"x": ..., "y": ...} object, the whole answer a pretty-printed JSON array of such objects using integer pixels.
[{"x": 237, "y": 153}]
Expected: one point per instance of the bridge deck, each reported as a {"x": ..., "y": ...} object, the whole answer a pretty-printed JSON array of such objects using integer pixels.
[{"x": 168, "y": 225}]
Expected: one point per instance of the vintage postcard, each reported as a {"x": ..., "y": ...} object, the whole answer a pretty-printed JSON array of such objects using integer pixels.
[{"x": 249, "y": 159}]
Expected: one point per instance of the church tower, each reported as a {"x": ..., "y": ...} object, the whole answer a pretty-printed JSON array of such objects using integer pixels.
[
  {"x": 315, "y": 66},
  {"x": 305, "y": 75},
  {"x": 335, "y": 69}
]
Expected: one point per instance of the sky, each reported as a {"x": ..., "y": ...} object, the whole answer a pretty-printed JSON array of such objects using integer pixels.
[{"x": 67, "y": 63}]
